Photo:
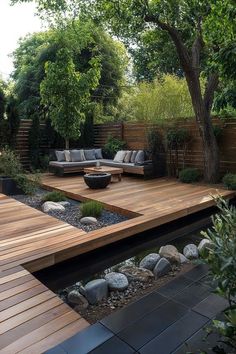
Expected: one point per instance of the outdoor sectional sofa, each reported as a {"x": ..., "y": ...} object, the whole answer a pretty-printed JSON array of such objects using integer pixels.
[{"x": 91, "y": 157}]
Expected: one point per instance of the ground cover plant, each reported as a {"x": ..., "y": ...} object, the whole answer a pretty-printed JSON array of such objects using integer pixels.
[
  {"x": 229, "y": 181},
  {"x": 189, "y": 175},
  {"x": 54, "y": 196},
  {"x": 91, "y": 208}
]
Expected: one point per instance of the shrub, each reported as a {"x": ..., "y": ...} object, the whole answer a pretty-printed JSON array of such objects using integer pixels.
[
  {"x": 222, "y": 261},
  {"x": 91, "y": 208},
  {"x": 113, "y": 145},
  {"x": 10, "y": 166},
  {"x": 54, "y": 196},
  {"x": 189, "y": 175},
  {"x": 229, "y": 181}
]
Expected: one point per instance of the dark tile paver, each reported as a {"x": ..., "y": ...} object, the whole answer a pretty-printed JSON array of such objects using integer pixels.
[
  {"x": 56, "y": 350},
  {"x": 87, "y": 340},
  {"x": 175, "y": 335},
  {"x": 193, "y": 294},
  {"x": 174, "y": 286},
  {"x": 211, "y": 306},
  {"x": 151, "y": 325},
  {"x": 197, "y": 272},
  {"x": 113, "y": 346},
  {"x": 119, "y": 320}
]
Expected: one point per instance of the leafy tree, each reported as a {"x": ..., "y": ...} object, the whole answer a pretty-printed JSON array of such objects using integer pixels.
[
  {"x": 84, "y": 40},
  {"x": 66, "y": 93}
]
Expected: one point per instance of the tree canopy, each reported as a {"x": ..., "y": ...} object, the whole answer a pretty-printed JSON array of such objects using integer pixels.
[{"x": 84, "y": 40}]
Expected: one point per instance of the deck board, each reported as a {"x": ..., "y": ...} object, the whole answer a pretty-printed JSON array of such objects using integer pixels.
[{"x": 32, "y": 318}]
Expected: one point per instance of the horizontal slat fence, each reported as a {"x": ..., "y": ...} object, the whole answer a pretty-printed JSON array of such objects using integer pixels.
[{"x": 136, "y": 137}]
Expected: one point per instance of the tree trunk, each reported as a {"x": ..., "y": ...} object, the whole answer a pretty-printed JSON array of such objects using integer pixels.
[
  {"x": 67, "y": 141},
  {"x": 203, "y": 119}
]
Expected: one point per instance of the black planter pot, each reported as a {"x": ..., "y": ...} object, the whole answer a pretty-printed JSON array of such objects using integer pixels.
[
  {"x": 8, "y": 186},
  {"x": 98, "y": 180}
]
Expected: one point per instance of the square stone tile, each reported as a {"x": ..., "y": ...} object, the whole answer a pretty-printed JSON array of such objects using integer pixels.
[
  {"x": 119, "y": 320},
  {"x": 142, "y": 331},
  {"x": 175, "y": 335},
  {"x": 211, "y": 306},
  {"x": 174, "y": 286},
  {"x": 197, "y": 272},
  {"x": 193, "y": 294},
  {"x": 113, "y": 346},
  {"x": 87, "y": 340}
]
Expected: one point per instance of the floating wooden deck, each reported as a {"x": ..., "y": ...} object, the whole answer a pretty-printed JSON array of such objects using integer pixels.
[{"x": 32, "y": 318}]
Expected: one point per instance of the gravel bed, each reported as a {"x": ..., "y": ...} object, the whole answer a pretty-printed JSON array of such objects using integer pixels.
[{"x": 72, "y": 213}]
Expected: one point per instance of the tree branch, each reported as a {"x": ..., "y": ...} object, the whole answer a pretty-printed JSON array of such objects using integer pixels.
[
  {"x": 198, "y": 44},
  {"x": 176, "y": 38},
  {"x": 211, "y": 86}
]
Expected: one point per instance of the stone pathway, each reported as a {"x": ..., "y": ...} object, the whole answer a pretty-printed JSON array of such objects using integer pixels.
[{"x": 169, "y": 320}]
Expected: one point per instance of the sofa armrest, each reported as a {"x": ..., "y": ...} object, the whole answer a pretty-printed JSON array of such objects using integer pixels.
[{"x": 147, "y": 162}]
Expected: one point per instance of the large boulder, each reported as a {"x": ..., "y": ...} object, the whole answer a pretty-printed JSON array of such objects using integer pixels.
[
  {"x": 162, "y": 267},
  {"x": 183, "y": 259},
  {"x": 191, "y": 251},
  {"x": 88, "y": 220},
  {"x": 149, "y": 261},
  {"x": 117, "y": 281},
  {"x": 205, "y": 245},
  {"x": 52, "y": 206},
  {"x": 171, "y": 253},
  {"x": 76, "y": 298},
  {"x": 136, "y": 274},
  {"x": 96, "y": 290}
]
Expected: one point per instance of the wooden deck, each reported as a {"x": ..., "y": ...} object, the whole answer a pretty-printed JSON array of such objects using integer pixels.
[{"x": 32, "y": 318}]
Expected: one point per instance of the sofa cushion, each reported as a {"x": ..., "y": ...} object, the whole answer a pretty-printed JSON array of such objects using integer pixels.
[
  {"x": 134, "y": 153},
  {"x": 77, "y": 155},
  {"x": 140, "y": 157},
  {"x": 67, "y": 155},
  {"x": 128, "y": 156},
  {"x": 60, "y": 155},
  {"x": 81, "y": 164},
  {"x": 89, "y": 154},
  {"x": 120, "y": 155},
  {"x": 98, "y": 153}
]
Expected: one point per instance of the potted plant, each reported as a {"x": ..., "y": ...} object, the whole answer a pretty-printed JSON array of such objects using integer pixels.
[{"x": 13, "y": 180}]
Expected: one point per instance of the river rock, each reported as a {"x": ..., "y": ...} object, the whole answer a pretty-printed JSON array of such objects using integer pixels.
[
  {"x": 64, "y": 203},
  {"x": 136, "y": 274},
  {"x": 96, "y": 290},
  {"x": 162, "y": 267},
  {"x": 117, "y": 281},
  {"x": 75, "y": 297},
  {"x": 88, "y": 220},
  {"x": 204, "y": 245},
  {"x": 149, "y": 261},
  {"x": 191, "y": 251},
  {"x": 52, "y": 206},
  {"x": 183, "y": 259},
  {"x": 170, "y": 253}
]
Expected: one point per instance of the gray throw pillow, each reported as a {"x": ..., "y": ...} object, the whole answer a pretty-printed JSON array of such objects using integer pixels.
[
  {"x": 67, "y": 155},
  {"x": 128, "y": 156},
  {"x": 77, "y": 155},
  {"x": 60, "y": 155},
  {"x": 134, "y": 153},
  {"x": 98, "y": 153},
  {"x": 139, "y": 157},
  {"x": 89, "y": 154},
  {"x": 120, "y": 155}
]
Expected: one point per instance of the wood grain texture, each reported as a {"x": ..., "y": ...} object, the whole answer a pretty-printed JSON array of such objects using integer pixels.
[{"x": 32, "y": 318}]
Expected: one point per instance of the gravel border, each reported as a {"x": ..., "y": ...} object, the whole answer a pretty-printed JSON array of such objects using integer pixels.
[{"x": 71, "y": 215}]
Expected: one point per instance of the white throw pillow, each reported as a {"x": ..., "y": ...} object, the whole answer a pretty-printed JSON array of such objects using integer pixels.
[
  {"x": 128, "y": 156},
  {"x": 120, "y": 155},
  {"x": 67, "y": 155}
]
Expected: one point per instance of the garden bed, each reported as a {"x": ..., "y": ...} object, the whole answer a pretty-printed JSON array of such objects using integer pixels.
[{"x": 72, "y": 214}]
